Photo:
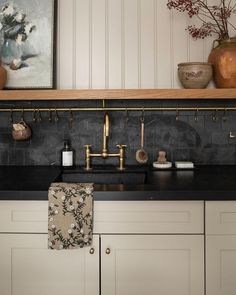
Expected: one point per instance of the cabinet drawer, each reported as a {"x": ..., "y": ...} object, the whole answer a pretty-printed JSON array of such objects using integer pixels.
[
  {"x": 110, "y": 217},
  {"x": 221, "y": 217},
  {"x": 149, "y": 217}
]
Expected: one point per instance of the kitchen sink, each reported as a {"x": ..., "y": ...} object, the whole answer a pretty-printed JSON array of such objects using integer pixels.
[{"x": 105, "y": 177}]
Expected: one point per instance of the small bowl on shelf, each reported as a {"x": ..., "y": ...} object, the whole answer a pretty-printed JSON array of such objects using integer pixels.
[{"x": 195, "y": 75}]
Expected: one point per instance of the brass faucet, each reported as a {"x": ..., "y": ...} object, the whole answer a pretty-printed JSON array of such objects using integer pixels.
[{"x": 105, "y": 154}]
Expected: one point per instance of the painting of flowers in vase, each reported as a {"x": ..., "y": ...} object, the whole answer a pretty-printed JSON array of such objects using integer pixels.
[{"x": 27, "y": 43}]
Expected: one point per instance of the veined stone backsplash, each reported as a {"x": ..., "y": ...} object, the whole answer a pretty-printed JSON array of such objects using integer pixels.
[{"x": 203, "y": 142}]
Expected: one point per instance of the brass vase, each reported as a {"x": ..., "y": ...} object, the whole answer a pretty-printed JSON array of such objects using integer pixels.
[{"x": 223, "y": 58}]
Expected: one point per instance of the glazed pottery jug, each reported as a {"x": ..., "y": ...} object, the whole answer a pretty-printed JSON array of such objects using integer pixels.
[
  {"x": 223, "y": 58},
  {"x": 3, "y": 76}
]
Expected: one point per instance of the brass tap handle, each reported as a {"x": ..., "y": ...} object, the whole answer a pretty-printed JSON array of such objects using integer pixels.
[
  {"x": 121, "y": 147},
  {"x": 87, "y": 157}
]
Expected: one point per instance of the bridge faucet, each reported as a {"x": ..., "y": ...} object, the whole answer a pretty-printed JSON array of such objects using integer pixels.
[{"x": 105, "y": 154}]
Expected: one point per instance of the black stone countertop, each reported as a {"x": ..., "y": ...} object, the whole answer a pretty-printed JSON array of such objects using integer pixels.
[{"x": 202, "y": 183}]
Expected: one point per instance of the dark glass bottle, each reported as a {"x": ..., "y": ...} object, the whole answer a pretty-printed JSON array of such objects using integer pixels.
[{"x": 67, "y": 155}]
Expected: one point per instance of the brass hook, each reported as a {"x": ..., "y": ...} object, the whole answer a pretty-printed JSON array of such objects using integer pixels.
[
  {"x": 34, "y": 116},
  {"x": 22, "y": 115},
  {"x": 142, "y": 116},
  {"x": 56, "y": 116},
  {"x": 215, "y": 116},
  {"x": 196, "y": 119},
  {"x": 39, "y": 116},
  {"x": 224, "y": 118},
  {"x": 71, "y": 119},
  {"x": 177, "y": 114},
  {"x": 50, "y": 116},
  {"x": 11, "y": 116}
]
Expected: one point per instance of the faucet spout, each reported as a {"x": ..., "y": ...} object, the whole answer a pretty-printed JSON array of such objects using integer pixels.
[{"x": 106, "y": 128}]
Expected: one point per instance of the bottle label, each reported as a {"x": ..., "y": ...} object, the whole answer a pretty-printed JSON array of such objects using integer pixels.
[{"x": 67, "y": 159}]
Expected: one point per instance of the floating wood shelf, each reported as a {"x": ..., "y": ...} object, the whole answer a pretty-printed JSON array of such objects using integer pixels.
[{"x": 113, "y": 94}]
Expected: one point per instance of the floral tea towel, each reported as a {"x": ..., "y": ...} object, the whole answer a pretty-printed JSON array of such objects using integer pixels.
[{"x": 70, "y": 215}]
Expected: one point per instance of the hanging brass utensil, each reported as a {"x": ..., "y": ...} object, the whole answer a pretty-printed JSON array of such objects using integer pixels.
[{"x": 141, "y": 154}]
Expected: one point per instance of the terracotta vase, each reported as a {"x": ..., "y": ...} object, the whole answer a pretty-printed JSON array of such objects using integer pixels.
[
  {"x": 3, "y": 76},
  {"x": 223, "y": 58}
]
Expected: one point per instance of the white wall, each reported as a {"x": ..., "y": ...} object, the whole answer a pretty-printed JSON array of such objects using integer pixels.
[{"x": 123, "y": 44}]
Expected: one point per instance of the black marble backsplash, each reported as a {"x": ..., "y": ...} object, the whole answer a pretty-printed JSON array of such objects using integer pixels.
[{"x": 206, "y": 141}]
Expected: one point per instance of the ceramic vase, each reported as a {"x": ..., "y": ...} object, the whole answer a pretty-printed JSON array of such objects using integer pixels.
[{"x": 223, "y": 58}]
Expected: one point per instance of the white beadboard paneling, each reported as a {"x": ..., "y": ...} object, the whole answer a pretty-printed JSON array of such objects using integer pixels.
[
  {"x": 163, "y": 45},
  {"x": 196, "y": 47},
  {"x": 147, "y": 44},
  {"x": 115, "y": 43},
  {"x": 180, "y": 44},
  {"x": 124, "y": 44},
  {"x": 98, "y": 43},
  {"x": 131, "y": 58},
  {"x": 83, "y": 44},
  {"x": 66, "y": 38}
]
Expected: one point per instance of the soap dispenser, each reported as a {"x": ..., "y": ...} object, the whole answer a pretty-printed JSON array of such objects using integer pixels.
[{"x": 67, "y": 155}]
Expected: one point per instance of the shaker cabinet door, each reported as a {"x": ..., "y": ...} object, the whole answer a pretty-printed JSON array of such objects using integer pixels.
[
  {"x": 221, "y": 265},
  {"x": 27, "y": 267},
  {"x": 152, "y": 264}
]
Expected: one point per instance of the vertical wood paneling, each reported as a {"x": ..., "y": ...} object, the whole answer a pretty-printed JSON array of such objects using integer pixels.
[
  {"x": 131, "y": 43},
  {"x": 82, "y": 44},
  {"x": 196, "y": 47},
  {"x": 163, "y": 51},
  {"x": 147, "y": 44},
  {"x": 124, "y": 44},
  {"x": 115, "y": 43},
  {"x": 98, "y": 43},
  {"x": 180, "y": 46},
  {"x": 66, "y": 38}
]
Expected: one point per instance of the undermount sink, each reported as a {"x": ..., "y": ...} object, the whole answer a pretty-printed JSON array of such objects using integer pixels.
[{"x": 105, "y": 177}]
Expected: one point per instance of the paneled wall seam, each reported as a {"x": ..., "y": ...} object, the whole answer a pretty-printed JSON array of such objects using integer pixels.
[
  {"x": 139, "y": 42},
  {"x": 74, "y": 45},
  {"x": 172, "y": 50},
  {"x": 155, "y": 45},
  {"x": 90, "y": 44},
  {"x": 122, "y": 43},
  {"x": 107, "y": 44},
  {"x": 58, "y": 45}
]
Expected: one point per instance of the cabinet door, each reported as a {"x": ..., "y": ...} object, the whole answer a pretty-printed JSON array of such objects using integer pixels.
[
  {"x": 27, "y": 267},
  {"x": 152, "y": 264},
  {"x": 221, "y": 265}
]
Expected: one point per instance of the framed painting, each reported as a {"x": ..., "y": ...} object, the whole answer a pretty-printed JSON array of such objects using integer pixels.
[{"x": 27, "y": 43}]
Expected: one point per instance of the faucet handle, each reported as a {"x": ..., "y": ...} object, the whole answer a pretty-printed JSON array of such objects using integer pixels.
[
  {"x": 87, "y": 146},
  {"x": 121, "y": 146}
]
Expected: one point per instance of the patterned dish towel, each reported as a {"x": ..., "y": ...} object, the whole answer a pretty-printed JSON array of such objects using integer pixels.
[{"x": 70, "y": 215}]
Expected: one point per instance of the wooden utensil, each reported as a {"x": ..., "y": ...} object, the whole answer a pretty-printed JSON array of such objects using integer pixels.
[{"x": 141, "y": 154}]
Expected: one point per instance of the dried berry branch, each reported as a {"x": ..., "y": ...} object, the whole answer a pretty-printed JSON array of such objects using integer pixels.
[{"x": 214, "y": 18}]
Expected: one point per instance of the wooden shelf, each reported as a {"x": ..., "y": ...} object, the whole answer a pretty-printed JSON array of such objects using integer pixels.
[{"x": 113, "y": 94}]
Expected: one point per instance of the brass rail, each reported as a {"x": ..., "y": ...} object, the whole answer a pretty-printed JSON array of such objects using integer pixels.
[{"x": 112, "y": 109}]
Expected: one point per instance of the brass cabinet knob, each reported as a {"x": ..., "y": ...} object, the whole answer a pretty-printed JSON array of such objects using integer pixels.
[
  {"x": 108, "y": 251},
  {"x": 92, "y": 250}
]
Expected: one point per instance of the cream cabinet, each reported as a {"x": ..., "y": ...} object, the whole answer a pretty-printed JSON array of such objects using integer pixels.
[
  {"x": 152, "y": 264},
  {"x": 27, "y": 267},
  {"x": 221, "y": 248},
  {"x": 149, "y": 247}
]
